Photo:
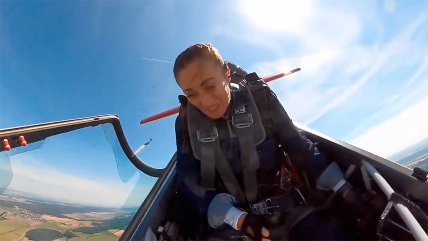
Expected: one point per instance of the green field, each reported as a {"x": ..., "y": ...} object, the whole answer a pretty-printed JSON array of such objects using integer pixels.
[
  {"x": 21, "y": 219},
  {"x": 13, "y": 229}
]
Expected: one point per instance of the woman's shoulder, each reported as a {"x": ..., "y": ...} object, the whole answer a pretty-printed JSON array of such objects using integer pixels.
[{"x": 260, "y": 92}]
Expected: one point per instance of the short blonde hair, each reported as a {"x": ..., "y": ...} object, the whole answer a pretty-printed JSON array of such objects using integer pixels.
[{"x": 195, "y": 51}]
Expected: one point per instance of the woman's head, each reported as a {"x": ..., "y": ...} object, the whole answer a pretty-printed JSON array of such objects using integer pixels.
[{"x": 204, "y": 78}]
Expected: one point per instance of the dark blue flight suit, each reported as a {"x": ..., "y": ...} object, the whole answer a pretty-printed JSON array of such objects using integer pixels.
[{"x": 282, "y": 135}]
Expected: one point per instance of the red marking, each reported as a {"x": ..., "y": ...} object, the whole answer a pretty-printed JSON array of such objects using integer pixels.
[
  {"x": 277, "y": 76},
  {"x": 6, "y": 145},
  {"x": 177, "y": 109},
  {"x": 22, "y": 141},
  {"x": 160, "y": 115}
]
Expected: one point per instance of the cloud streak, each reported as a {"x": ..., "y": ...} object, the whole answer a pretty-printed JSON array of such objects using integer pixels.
[
  {"x": 321, "y": 69},
  {"x": 348, "y": 61},
  {"x": 157, "y": 60}
]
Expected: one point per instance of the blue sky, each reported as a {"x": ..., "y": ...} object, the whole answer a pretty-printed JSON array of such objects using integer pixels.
[{"x": 364, "y": 64}]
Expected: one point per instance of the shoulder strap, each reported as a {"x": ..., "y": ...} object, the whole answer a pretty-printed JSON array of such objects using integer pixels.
[
  {"x": 249, "y": 129},
  {"x": 206, "y": 148},
  {"x": 259, "y": 91},
  {"x": 182, "y": 114},
  {"x": 237, "y": 74}
]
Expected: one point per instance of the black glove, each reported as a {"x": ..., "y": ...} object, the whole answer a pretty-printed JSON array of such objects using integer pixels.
[{"x": 252, "y": 227}]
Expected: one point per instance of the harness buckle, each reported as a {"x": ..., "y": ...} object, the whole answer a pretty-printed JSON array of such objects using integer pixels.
[
  {"x": 263, "y": 207},
  {"x": 240, "y": 109},
  {"x": 207, "y": 136},
  {"x": 242, "y": 121}
]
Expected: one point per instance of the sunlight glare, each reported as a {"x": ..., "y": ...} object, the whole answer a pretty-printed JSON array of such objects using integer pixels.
[{"x": 278, "y": 15}]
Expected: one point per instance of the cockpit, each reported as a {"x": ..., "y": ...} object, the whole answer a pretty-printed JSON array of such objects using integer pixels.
[{"x": 80, "y": 180}]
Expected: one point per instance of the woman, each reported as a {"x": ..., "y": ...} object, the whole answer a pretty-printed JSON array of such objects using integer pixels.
[{"x": 231, "y": 139}]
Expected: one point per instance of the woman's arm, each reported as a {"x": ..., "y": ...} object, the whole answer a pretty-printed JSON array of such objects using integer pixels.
[{"x": 302, "y": 151}]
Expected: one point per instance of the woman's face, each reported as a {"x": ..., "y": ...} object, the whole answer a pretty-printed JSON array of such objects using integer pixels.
[{"x": 206, "y": 85}]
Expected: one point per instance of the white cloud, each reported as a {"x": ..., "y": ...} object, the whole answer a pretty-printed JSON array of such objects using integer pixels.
[
  {"x": 418, "y": 73},
  {"x": 317, "y": 89},
  {"x": 45, "y": 182},
  {"x": 312, "y": 24},
  {"x": 331, "y": 76},
  {"x": 350, "y": 56},
  {"x": 401, "y": 131},
  {"x": 414, "y": 88},
  {"x": 301, "y": 91},
  {"x": 278, "y": 15},
  {"x": 325, "y": 35}
]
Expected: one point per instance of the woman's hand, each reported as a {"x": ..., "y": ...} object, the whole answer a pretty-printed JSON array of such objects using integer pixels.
[
  {"x": 250, "y": 225},
  {"x": 221, "y": 211},
  {"x": 218, "y": 209}
]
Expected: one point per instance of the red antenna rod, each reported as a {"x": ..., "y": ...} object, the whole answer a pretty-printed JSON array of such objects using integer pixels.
[{"x": 177, "y": 109}]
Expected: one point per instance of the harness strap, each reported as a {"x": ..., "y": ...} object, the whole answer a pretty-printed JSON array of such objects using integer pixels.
[
  {"x": 244, "y": 116},
  {"x": 250, "y": 163},
  {"x": 207, "y": 167},
  {"x": 206, "y": 148},
  {"x": 208, "y": 135},
  {"x": 226, "y": 174},
  {"x": 247, "y": 128}
]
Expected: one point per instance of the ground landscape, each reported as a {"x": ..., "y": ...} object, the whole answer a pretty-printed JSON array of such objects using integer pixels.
[{"x": 22, "y": 218}]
